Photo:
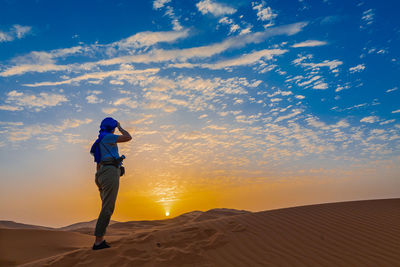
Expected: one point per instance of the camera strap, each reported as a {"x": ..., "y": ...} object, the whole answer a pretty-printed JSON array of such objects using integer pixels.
[
  {"x": 116, "y": 164},
  {"x": 108, "y": 150}
]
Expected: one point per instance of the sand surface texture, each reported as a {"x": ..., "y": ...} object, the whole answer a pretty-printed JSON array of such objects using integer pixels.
[{"x": 358, "y": 233}]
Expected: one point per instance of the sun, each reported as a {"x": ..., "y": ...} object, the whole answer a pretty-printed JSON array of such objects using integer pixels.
[{"x": 167, "y": 213}]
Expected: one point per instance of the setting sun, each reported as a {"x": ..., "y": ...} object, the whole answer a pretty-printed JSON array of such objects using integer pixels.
[{"x": 167, "y": 213}]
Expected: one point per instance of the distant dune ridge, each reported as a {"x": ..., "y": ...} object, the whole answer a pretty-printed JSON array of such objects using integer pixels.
[{"x": 357, "y": 233}]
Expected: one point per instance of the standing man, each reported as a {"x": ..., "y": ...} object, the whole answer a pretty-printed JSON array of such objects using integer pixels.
[{"x": 105, "y": 152}]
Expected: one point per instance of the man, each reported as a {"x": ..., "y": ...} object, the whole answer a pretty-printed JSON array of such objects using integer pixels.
[{"x": 105, "y": 152}]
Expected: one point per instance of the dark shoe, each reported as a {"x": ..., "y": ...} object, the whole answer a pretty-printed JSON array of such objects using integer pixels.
[{"x": 102, "y": 245}]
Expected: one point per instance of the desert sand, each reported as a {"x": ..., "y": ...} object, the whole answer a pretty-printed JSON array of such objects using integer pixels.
[{"x": 357, "y": 233}]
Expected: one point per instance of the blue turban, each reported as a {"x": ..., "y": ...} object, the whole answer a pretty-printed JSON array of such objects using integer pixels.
[{"x": 107, "y": 126}]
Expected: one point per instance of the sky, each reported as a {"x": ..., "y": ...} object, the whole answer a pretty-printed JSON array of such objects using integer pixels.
[{"x": 251, "y": 105}]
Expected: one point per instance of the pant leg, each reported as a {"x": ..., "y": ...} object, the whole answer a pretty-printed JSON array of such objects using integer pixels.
[{"x": 107, "y": 179}]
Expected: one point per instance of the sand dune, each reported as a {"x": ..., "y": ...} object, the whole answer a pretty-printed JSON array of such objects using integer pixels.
[
  {"x": 19, "y": 246},
  {"x": 358, "y": 233},
  {"x": 76, "y": 226},
  {"x": 16, "y": 225}
]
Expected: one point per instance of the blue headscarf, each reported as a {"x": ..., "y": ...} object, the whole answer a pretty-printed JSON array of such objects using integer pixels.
[{"x": 107, "y": 126}]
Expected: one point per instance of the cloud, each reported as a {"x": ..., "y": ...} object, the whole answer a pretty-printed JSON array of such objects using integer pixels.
[
  {"x": 264, "y": 13},
  {"x": 148, "y": 38},
  {"x": 43, "y": 129},
  {"x": 21, "y": 31},
  {"x": 12, "y": 123},
  {"x": 38, "y": 102},
  {"x": 309, "y": 43},
  {"x": 10, "y": 108},
  {"x": 396, "y": 111},
  {"x": 232, "y": 26},
  {"x": 15, "y": 32},
  {"x": 320, "y": 85},
  {"x": 288, "y": 116},
  {"x": 175, "y": 22},
  {"x": 21, "y": 69},
  {"x": 331, "y": 64},
  {"x": 209, "y": 6},
  {"x": 45, "y": 61},
  {"x": 392, "y": 89},
  {"x": 387, "y": 121},
  {"x": 97, "y": 76},
  {"x": 5, "y": 37},
  {"x": 309, "y": 81},
  {"x": 93, "y": 99},
  {"x": 159, "y": 55},
  {"x": 357, "y": 68},
  {"x": 109, "y": 110},
  {"x": 246, "y": 59},
  {"x": 126, "y": 101},
  {"x": 157, "y": 4},
  {"x": 315, "y": 122},
  {"x": 368, "y": 16},
  {"x": 370, "y": 119}
]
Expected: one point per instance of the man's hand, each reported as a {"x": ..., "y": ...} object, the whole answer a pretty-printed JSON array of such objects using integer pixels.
[{"x": 125, "y": 137}]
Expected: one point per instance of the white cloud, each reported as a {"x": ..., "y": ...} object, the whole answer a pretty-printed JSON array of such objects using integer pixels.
[
  {"x": 309, "y": 81},
  {"x": 175, "y": 22},
  {"x": 94, "y": 99},
  {"x": 299, "y": 96},
  {"x": 5, "y": 37},
  {"x": 12, "y": 123},
  {"x": 45, "y": 61},
  {"x": 387, "y": 122},
  {"x": 396, "y": 111},
  {"x": 331, "y": 64},
  {"x": 357, "y": 68},
  {"x": 209, "y": 6},
  {"x": 370, "y": 119},
  {"x": 148, "y": 38},
  {"x": 10, "y": 108},
  {"x": 109, "y": 110},
  {"x": 309, "y": 43},
  {"x": 159, "y": 55},
  {"x": 97, "y": 76},
  {"x": 157, "y": 4},
  {"x": 15, "y": 32},
  {"x": 246, "y": 59},
  {"x": 392, "y": 89},
  {"x": 232, "y": 26},
  {"x": 21, "y": 31},
  {"x": 368, "y": 16},
  {"x": 126, "y": 101},
  {"x": 21, "y": 69},
  {"x": 26, "y": 132},
  {"x": 39, "y": 101},
  {"x": 313, "y": 121},
  {"x": 320, "y": 86},
  {"x": 288, "y": 116},
  {"x": 264, "y": 13}
]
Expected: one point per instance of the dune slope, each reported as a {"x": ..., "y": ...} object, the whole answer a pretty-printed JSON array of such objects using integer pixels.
[
  {"x": 358, "y": 233},
  {"x": 19, "y": 246}
]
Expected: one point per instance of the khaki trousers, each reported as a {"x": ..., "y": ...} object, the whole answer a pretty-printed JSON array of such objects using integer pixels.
[{"x": 107, "y": 180}]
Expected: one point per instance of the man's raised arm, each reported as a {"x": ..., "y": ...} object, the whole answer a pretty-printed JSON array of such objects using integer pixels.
[{"x": 125, "y": 137}]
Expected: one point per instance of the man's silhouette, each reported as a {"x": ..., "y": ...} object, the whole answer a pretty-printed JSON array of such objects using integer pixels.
[{"x": 105, "y": 152}]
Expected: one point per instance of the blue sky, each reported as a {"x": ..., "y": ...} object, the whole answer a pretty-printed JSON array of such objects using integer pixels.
[{"x": 231, "y": 91}]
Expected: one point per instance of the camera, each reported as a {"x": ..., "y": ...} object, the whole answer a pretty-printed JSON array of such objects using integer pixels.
[{"x": 120, "y": 159}]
